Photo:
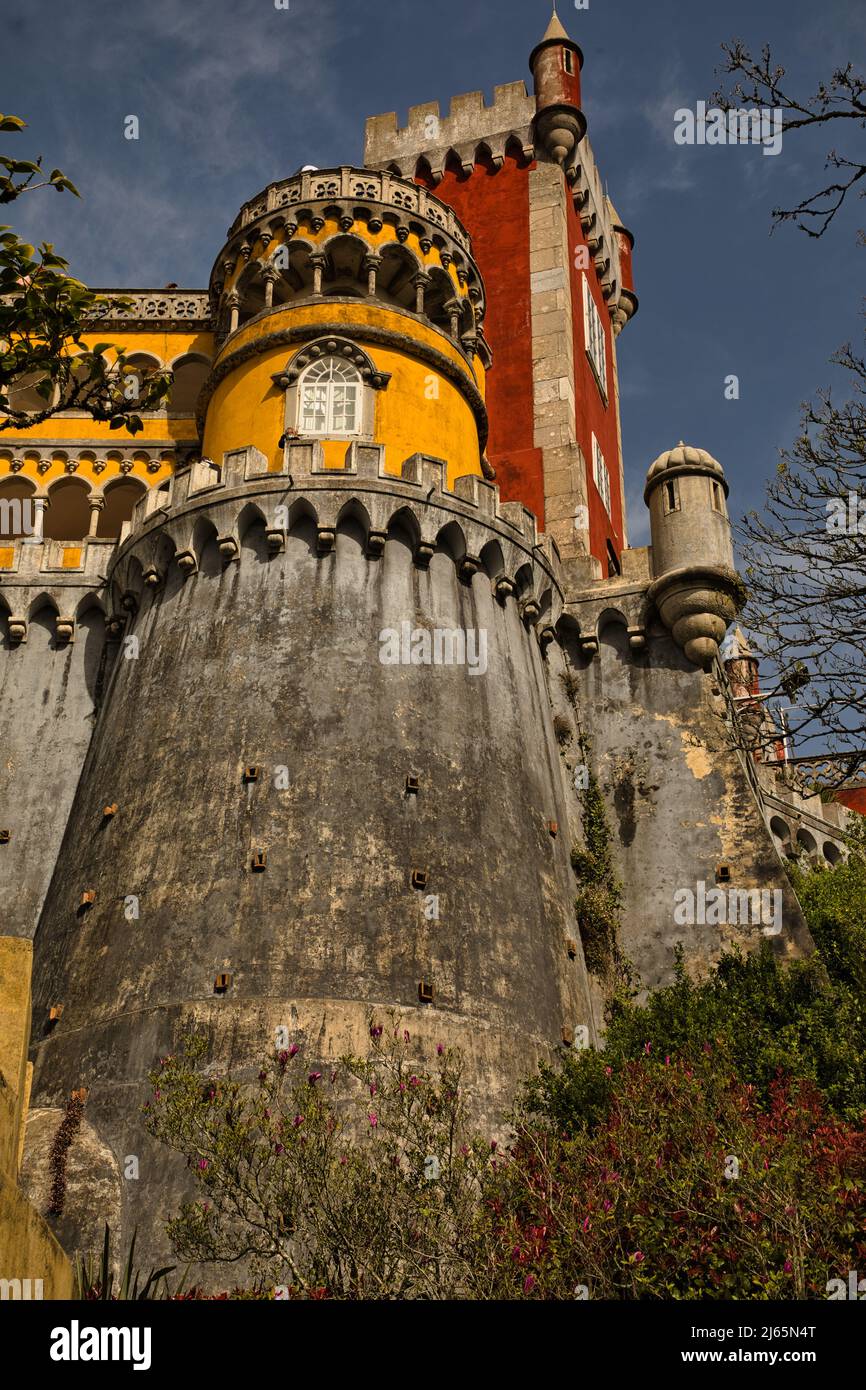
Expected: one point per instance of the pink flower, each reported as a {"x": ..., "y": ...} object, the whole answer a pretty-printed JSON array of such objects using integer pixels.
[
  {"x": 788, "y": 1266},
  {"x": 637, "y": 1258},
  {"x": 294, "y": 1050},
  {"x": 279, "y": 1149},
  {"x": 374, "y": 1120},
  {"x": 343, "y": 1161},
  {"x": 586, "y": 1223},
  {"x": 493, "y": 1146},
  {"x": 647, "y": 1047},
  {"x": 439, "y": 1049},
  {"x": 405, "y": 1035},
  {"x": 667, "y": 1061},
  {"x": 608, "y": 1071},
  {"x": 413, "y": 1081},
  {"x": 606, "y": 1205},
  {"x": 373, "y": 1088},
  {"x": 375, "y": 1030},
  {"x": 202, "y": 1164},
  {"x": 297, "y": 1121},
  {"x": 313, "y": 1077},
  {"x": 528, "y": 1283},
  {"x": 333, "y": 1077},
  {"x": 263, "y": 1076}
]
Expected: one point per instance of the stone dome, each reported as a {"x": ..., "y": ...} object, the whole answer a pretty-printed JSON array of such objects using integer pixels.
[{"x": 685, "y": 455}]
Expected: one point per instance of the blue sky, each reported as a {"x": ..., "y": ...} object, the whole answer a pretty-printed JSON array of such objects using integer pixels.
[{"x": 232, "y": 94}]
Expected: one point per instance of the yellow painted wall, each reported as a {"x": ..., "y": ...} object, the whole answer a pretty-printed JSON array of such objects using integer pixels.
[
  {"x": 247, "y": 408},
  {"x": 28, "y": 1248},
  {"x": 79, "y": 429}
]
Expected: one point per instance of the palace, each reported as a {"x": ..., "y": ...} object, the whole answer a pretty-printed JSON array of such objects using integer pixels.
[{"x": 395, "y": 407}]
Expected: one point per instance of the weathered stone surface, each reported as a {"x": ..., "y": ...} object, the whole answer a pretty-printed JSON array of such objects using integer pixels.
[{"x": 274, "y": 660}]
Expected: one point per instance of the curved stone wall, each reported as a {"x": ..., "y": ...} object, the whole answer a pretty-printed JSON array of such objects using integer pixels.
[{"x": 261, "y": 646}]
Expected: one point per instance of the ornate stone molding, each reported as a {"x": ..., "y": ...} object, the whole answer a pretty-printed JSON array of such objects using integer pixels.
[
  {"x": 364, "y": 185},
  {"x": 174, "y": 308},
  {"x": 336, "y": 346}
]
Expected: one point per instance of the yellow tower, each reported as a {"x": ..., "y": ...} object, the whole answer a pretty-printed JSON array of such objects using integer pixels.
[{"x": 348, "y": 309}]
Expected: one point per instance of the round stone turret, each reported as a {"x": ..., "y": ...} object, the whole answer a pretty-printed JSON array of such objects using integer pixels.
[{"x": 696, "y": 590}]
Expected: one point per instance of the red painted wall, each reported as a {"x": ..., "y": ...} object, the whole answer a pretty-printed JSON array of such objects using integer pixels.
[
  {"x": 625, "y": 261},
  {"x": 553, "y": 85},
  {"x": 494, "y": 208},
  {"x": 854, "y": 799}
]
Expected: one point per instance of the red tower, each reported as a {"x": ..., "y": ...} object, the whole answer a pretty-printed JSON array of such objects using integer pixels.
[{"x": 557, "y": 266}]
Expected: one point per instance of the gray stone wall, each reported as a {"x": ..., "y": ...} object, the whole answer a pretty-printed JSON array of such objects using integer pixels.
[
  {"x": 274, "y": 659},
  {"x": 49, "y": 686},
  {"x": 680, "y": 803}
]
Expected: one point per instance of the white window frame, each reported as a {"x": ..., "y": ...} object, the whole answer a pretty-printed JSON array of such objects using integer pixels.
[
  {"x": 601, "y": 474},
  {"x": 593, "y": 332},
  {"x": 352, "y": 380}
]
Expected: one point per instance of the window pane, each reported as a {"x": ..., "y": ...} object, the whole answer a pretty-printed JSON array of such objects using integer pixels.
[{"x": 329, "y": 400}]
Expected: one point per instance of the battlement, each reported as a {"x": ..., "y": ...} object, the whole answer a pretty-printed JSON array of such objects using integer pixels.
[
  {"x": 468, "y": 520},
  {"x": 473, "y": 133},
  {"x": 470, "y": 128},
  {"x": 467, "y": 124},
  {"x": 25, "y": 559},
  {"x": 303, "y": 465},
  {"x": 55, "y": 575}
]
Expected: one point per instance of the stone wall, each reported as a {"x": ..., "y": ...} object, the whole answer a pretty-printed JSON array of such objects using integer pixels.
[{"x": 273, "y": 660}]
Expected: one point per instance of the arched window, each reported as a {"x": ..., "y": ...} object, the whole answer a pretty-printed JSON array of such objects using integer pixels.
[
  {"x": 329, "y": 398},
  {"x": 190, "y": 374}
]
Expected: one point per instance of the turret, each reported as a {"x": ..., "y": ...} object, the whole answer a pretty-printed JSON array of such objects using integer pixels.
[
  {"x": 348, "y": 309},
  {"x": 555, "y": 63},
  {"x": 626, "y": 305},
  {"x": 696, "y": 590}
]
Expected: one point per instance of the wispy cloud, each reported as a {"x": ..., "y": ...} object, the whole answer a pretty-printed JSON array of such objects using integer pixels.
[{"x": 227, "y": 98}]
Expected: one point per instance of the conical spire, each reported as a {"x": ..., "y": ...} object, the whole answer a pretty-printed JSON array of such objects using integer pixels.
[{"x": 555, "y": 29}]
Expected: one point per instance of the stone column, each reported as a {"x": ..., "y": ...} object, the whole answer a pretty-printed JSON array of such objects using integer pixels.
[
  {"x": 372, "y": 261},
  {"x": 420, "y": 280},
  {"x": 97, "y": 505},
  {"x": 270, "y": 278},
  {"x": 318, "y": 261}
]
